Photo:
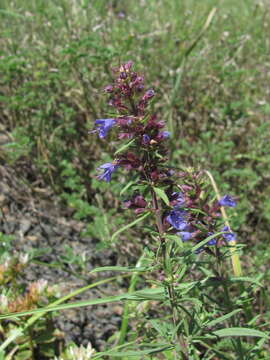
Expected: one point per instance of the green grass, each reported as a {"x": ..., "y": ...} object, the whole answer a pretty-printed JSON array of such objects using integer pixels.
[{"x": 57, "y": 56}]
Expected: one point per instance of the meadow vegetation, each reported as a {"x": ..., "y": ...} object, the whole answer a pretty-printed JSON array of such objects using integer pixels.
[{"x": 208, "y": 64}]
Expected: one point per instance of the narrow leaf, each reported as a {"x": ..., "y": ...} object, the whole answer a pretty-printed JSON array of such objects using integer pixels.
[
  {"x": 130, "y": 225},
  {"x": 140, "y": 352},
  {"x": 124, "y": 147},
  {"x": 205, "y": 241},
  {"x": 120, "y": 268},
  {"x": 239, "y": 332},
  {"x": 150, "y": 294},
  {"x": 247, "y": 279},
  {"x": 125, "y": 188},
  {"x": 222, "y": 318},
  {"x": 161, "y": 193}
]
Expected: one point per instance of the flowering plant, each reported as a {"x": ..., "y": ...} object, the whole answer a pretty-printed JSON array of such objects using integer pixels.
[
  {"x": 179, "y": 200},
  {"x": 194, "y": 293},
  {"x": 186, "y": 209}
]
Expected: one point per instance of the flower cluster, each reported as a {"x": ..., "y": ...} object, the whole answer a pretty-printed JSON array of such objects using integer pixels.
[
  {"x": 133, "y": 122},
  {"x": 192, "y": 216},
  {"x": 189, "y": 213}
]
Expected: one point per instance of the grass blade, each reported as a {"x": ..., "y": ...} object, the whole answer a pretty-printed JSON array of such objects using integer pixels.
[{"x": 130, "y": 225}]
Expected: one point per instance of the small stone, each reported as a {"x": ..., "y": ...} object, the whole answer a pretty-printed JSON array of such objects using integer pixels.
[{"x": 25, "y": 225}]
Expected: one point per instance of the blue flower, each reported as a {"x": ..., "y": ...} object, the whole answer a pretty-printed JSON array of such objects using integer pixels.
[
  {"x": 226, "y": 200},
  {"x": 146, "y": 139},
  {"x": 108, "y": 168},
  {"x": 230, "y": 236},
  {"x": 184, "y": 235},
  {"x": 178, "y": 199},
  {"x": 148, "y": 95},
  {"x": 165, "y": 134},
  {"x": 177, "y": 218},
  {"x": 103, "y": 126},
  {"x": 212, "y": 241}
]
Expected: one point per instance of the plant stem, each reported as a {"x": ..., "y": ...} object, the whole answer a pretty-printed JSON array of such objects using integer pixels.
[
  {"x": 31, "y": 343},
  {"x": 229, "y": 305},
  {"x": 169, "y": 287}
]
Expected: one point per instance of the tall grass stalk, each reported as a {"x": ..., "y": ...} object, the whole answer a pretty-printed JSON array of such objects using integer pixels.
[{"x": 237, "y": 269}]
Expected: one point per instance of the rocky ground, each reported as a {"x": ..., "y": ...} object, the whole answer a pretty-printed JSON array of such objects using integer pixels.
[{"x": 45, "y": 229}]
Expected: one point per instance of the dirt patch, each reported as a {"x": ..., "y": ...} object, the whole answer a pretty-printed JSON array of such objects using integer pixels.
[{"x": 45, "y": 229}]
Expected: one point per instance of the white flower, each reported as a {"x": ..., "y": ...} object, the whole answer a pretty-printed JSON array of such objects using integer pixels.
[
  {"x": 81, "y": 353},
  {"x": 41, "y": 285}
]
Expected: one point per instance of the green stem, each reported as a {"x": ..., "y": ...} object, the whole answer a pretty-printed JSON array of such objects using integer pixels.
[
  {"x": 168, "y": 273},
  {"x": 31, "y": 343}
]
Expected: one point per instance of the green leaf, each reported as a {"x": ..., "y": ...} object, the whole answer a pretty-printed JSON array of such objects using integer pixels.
[
  {"x": 154, "y": 350},
  {"x": 205, "y": 241},
  {"x": 162, "y": 327},
  {"x": 145, "y": 294},
  {"x": 222, "y": 318},
  {"x": 120, "y": 268},
  {"x": 130, "y": 225},
  {"x": 161, "y": 193},
  {"x": 24, "y": 355},
  {"x": 124, "y": 147},
  {"x": 197, "y": 211},
  {"x": 129, "y": 184},
  {"x": 174, "y": 238},
  {"x": 238, "y": 331},
  {"x": 246, "y": 279},
  {"x": 78, "y": 304}
]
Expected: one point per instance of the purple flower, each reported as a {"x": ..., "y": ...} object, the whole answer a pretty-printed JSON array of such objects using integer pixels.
[
  {"x": 178, "y": 199},
  {"x": 212, "y": 241},
  {"x": 145, "y": 139},
  {"x": 108, "y": 169},
  {"x": 127, "y": 66},
  {"x": 226, "y": 200},
  {"x": 148, "y": 95},
  {"x": 177, "y": 218},
  {"x": 165, "y": 134},
  {"x": 108, "y": 89},
  {"x": 184, "y": 235},
  {"x": 103, "y": 126},
  {"x": 230, "y": 236},
  {"x": 198, "y": 251},
  {"x": 123, "y": 75}
]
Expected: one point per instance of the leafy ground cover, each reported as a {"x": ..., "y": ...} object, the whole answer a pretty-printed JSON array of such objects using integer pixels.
[{"x": 208, "y": 63}]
